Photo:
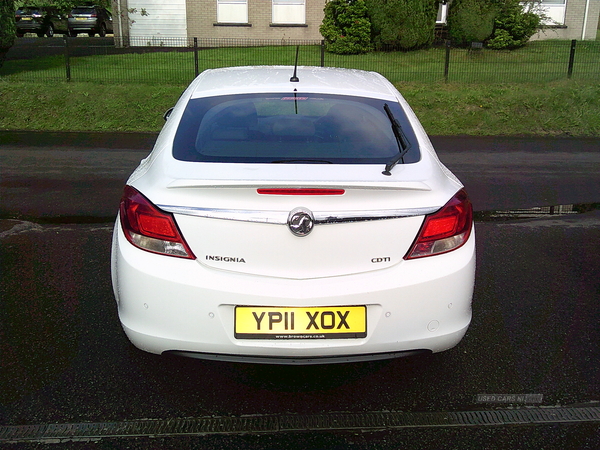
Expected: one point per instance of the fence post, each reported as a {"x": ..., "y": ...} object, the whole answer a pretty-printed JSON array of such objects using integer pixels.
[
  {"x": 322, "y": 52},
  {"x": 571, "y": 58},
  {"x": 196, "y": 67},
  {"x": 447, "y": 62},
  {"x": 67, "y": 58}
]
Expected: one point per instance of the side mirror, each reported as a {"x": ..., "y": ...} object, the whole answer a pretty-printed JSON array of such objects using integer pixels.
[{"x": 167, "y": 113}]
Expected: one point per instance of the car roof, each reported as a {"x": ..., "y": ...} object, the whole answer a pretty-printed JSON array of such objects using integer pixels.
[{"x": 270, "y": 79}]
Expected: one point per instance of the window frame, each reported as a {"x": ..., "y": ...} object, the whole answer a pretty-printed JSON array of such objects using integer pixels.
[
  {"x": 279, "y": 4},
  {"x": 227, "y": 12},
  {"x": 556, "y": 10}
]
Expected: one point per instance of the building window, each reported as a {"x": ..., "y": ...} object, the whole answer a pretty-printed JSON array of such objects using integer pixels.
[
  {"x": 289, "y": 12},
  {"x": 232, "y": 11},
  {"x": 554, "y": 10}
]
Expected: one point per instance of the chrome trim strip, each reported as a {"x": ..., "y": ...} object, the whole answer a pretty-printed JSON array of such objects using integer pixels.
[
  {"x": 240, "y": 215},
  {"x": 281, "y": 217},
  {"x": 365, "y": 216}
]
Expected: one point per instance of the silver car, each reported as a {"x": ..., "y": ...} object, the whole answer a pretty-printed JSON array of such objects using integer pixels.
[{"x": 91, "y": 20}]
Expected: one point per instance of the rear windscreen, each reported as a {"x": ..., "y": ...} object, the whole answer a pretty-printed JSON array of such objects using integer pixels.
[
  {"x": 29, "y": 11},
  {"x": 82, "y": 11},
  {"x": 279, "y": 128}
]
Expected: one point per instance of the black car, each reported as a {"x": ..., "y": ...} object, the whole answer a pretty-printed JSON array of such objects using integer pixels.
[
  {"x": 43, "y": 20},
  {"x": 90, "y": 20}
]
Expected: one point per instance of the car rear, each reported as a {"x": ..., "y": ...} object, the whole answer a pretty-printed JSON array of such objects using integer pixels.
[
  {"x": 30, "y": 20},
  {"x": 88, "y": 19},
  {"x": 264, "y": 227}
]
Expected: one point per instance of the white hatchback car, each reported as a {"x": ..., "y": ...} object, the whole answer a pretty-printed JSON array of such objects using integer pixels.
[{"x": 293, "y": 216}]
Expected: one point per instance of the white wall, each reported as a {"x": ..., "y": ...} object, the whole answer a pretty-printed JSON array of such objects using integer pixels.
[{"x": 166, "y": 18}]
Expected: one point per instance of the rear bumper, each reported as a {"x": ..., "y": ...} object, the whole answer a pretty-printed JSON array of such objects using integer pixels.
[
  {"x": 83, "y": 25},
  {"x": 29, "y": 27},
  {"x": 171, "y": 305},
  {"x": 298, "y": 361}
]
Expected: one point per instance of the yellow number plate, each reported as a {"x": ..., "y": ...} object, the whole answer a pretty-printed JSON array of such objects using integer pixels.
[{"x": 339, "y": 322}]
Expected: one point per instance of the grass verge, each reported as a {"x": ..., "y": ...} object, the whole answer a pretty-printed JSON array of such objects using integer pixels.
[{"x": 561, "y": 108}]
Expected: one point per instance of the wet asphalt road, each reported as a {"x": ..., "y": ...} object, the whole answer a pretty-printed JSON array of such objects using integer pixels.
[
  {"x": 39, "y": 169},
  {"x": 64, "y": 358}
]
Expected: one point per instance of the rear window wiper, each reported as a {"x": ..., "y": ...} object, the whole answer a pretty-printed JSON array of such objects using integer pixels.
[{"x": 403, "y": 144}]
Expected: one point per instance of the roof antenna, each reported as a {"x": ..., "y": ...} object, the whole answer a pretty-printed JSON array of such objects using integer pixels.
[{"x": 294, "y": 78}]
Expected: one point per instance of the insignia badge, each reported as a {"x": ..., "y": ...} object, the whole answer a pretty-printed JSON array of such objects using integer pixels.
[{"x": 301, "y": 222}]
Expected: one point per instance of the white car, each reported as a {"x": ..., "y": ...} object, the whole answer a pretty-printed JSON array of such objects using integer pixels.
[{"x": 293, "y": 215}]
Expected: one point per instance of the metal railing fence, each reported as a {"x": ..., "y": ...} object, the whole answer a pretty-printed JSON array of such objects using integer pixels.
[{"x": 179, "y": 60}]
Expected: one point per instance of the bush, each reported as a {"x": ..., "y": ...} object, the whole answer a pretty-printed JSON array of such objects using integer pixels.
[
  {"x": 7, "y": 27},
  {"x": 471, "y": 20},
  {"x": 407, "y": 24},
  {"x": 513, "y": 26},
  {"x": 346, "y": 27}
]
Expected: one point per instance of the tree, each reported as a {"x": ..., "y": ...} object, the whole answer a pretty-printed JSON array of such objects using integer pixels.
[
  {"x": 7, "y": 27},
  {"x": 408, "y": 24},
  {"x": 471, "y": 20},
  {"x": 514, "y": 24},
  {"x": 346, "y": 27},
  {"x": 64, "y": 5}
]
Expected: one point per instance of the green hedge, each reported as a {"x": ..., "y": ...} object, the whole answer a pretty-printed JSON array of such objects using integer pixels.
[
  {"x": 407, "y": 24},
  {"x": 7, "y": 27},
  {"x": 471, "y": 20},
  {"x": 346, "y": 27},
  {"x": 514, "y": 25}
]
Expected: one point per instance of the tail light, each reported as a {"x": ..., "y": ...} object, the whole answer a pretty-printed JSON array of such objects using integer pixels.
[
  {"x": 445, "y": 230},
  {"x": 150, "y": 228}
]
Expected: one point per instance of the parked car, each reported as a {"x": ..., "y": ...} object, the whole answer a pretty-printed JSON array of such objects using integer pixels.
[
  {"x": 293, "y": 216},
  {"x": 91, "y": 20},
  {"x": 42, "y": 20}
]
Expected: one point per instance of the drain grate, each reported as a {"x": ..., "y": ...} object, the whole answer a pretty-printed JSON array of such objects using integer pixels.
[{"x": 288, "y": 423}]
